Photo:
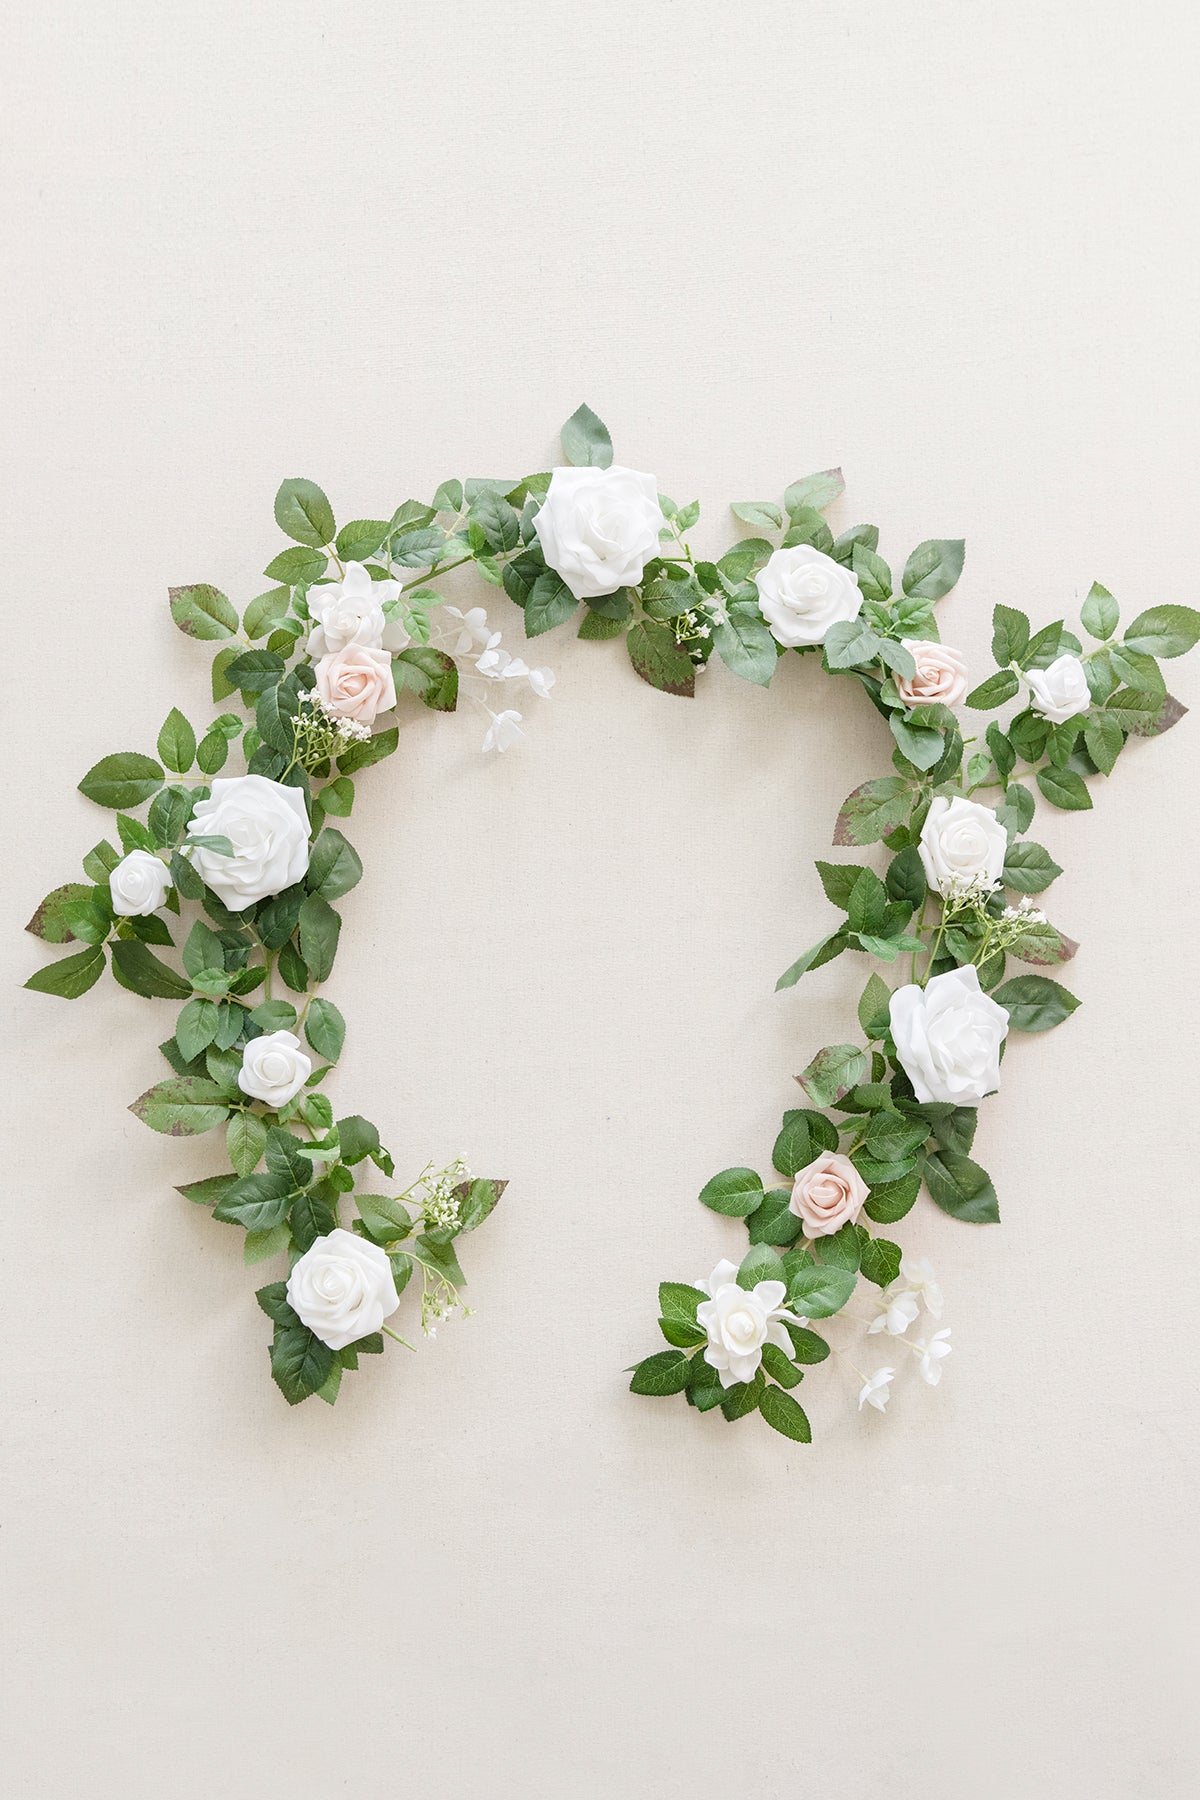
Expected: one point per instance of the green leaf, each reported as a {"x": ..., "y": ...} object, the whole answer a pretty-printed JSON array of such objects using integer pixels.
[
  {"x": 763, "y": 514},
  {"x": 1100, "y": 614},
  {"x": 840, "y": 1249},
  {"x": 333, "y": 866},
  {"x": 137, "y": 968},
  {"x": 659, "y": 660},
  {"x": 123, "y": 780},
  {"x": 302, "y": 512},
  {"x": 296, "y": 566},
  {"x": 874, "y": 1005},
  {"x": 1029, "y": 868},
  {"x": 873, "y": 810},
  {"x": 851, "y": 643},
  {"x": 596, "y": 628},
  {"x": 550, "y": 603},
  {"x": 585, "y": 440},
  {"x": 785, "y": 1415},
  {"x": 361, "y": 538},
  {"x": 934, "y": 567},
  {"x": 739, "y": 1401},
  {"x": 49, "y": 921},
  {"x": 71, "y": 976},
  {"x": 177, "y": 742},
  {"x": 1064, "y": 788},
  {"x": 319, "y": 929},
  {"x": 358, "y": 1138},
  {"x": 202, "y": 611},
  {"x": 183, "y": 1106},
  {"x": 1010, "y": 635},
  {"x": 745, "y": 645},
  {"x": 734, "y": 1192},
  {"x": 780, "y": 1367},
  {"x": 311, "y": 1218},
  {"x": 815, "y": 491},
  {"x": 828, "y": 948},
  {"x": 274, "y": 715},
  {"x": 961, "y": 1188},
  {"x": 1164, "y": 631},
  {"x": 889, "y": 1201},
  {"x": 245, "y": 1140},
  {"x": 821, "y": 1290},
  {"x": 832, "y": 1072},
  {"x": 923, "y": 747},
  {"x": 1034, "y": 1002},
  {"x": 872, "y": 574},
  {"x": 880, "y": 1261},
  {"x": 666, "y": 1373},
  {"x": 498, "y": 521},
  {"x": 385, "y": 1219},
  {"x": 256, "y": 1202},
  {"x": 774, "y": 1222},
  {"x": 325, "y": 1029},
  {"x": 1105, "y": 740},
  {"x": 196, "y": 1027},
  {"x": 905, "y": 878},
  {"x": 265, "y": 611},
  {"x": 300, "y": 1363},
  {"x": 994, "y": 691}
]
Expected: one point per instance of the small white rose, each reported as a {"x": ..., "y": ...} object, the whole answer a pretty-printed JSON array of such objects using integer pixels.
[
  {"x": 342, "y": 1288},
  {"x": 356, "y": 683},
  {"x": 350, "y": 611},
  {"x": 1060, "y": 691},
  {"x": 828, "y": 1194},
  {"x": 802, "y": 592},
  {"x": 138, "y": 885},
  {"x": 941, "y": 676},
  {"x": 948, "y": 1036},
  {"x": 962, "y": 845},
  {"x": 274, "y": 1068},
  {"x": 598, "y": 528},
  {"x": 267, "y": 824},
  {"x": 739, "y": 1321}
]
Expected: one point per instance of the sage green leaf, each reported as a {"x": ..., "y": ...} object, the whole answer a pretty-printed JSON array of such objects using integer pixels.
[
  {"x": 1028, "y": 868},
  {"x": 802, "y": 1138},
  {"x": 821, "y": 1290},
  {"x": 202, "y": 611},
  {"x": 585, "y": 440},
  {"x": 296, "y": 567},
  {"x": 49, "y": 921},
  {"x": 659, "y": 660},
  {"x": 873, "y": 810},
  {"x": 785, "y": 1415},
  {"x": 832, "y": 1072},
  {"x": 745, "y": 645},
  {"x": 71, "y": 976},
  {"x": 123, "y": 780},
  {"x": 1064, "y": 788},
  {"x": 1010, "y": 635},
  {"x": 872, "y": 574},
  {"x": 821, "y": 953},
  {"x": 196, "y": 1027},
  {"x": 386, "y": 1220},
  {"x": 994, "y": 691},
  {"x": 183, "y": 1106},
  {"x": 245, "y": 1140},
  {"x": 303, "y": 513},
  {"x": 921, "y": 746},
  {"x": 177, "y": 742},
  {"x": 1164, "y": 631},
  {"x": 1034, "y": 1002},
  {"x": 258, "y": 1246},
  {"x": 734, "y": 1192},
  {"x": 851, "y": 643},
  {"x": 666, "y": 1373},
  {"x": 763, "y": 514},
  {"x": 815, "y": 491},
  {"x": 361, "y": 538},
  {"x": 325, "y": 1029},
  {"x": 1100, "y": 614},
  {"x": 498, "y": 521},
  {"x": 265, "y": 612},
  {"x": 934, "y": 567},
  {"x": 477, "y": 1200},
  {"x": 961, "y": 1188}
]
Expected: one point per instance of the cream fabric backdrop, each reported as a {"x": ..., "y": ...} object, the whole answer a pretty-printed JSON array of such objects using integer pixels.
[{"x": 950, "y": 247}]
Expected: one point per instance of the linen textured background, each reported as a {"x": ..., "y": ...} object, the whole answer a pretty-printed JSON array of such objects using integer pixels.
[{"x": 953, "y": 248}]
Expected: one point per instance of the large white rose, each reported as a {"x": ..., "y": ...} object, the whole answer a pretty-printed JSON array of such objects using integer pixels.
[
  {"x": 274, "y": 1068},
  {"x": 350, "y": 611},
  {"x": 948, "y": 1036},
  {"x": 1060, "y": 691},
  {"x": 266, "y": 823},
  {"x": 138, "y": 884},
  {"x": 962, "y": 844},
  {"x": 598, "y": 528},
  {"x": 342, "y": 1288},
  {"x": 802, "y": 592},
  {"x": 739, "y": 1321}
]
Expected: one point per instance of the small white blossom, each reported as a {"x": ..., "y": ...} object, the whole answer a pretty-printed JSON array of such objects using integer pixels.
[
  {"x": 917, "y": 1273},
  {"x": 541, "y": 681},
  {"x": 504, "y": 731},
  {"x": 931, "y": 1352},
  {"x": 875, "y": 1391},
  {"x": 475, "y": 630},
  {"x": 897, "y": 1308}
]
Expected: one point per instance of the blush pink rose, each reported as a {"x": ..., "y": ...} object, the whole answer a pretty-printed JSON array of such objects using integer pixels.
[
  {"x": 941, "y": 674},
  {"x": 827, "y": 1194},
  {"x": 356, "y": 682}
]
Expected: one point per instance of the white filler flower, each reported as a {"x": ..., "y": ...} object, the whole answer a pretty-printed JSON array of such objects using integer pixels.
[
  {"x": 963, "y": 845},
  {"x": 138, "y": 885},
  {"x": 274, "y": 1068},
  {"x": 739, "y": 1321},
  {"x": 1060, "y": 691},
  {"x": 802, "y": 592},
  {"x": 931, "y": 1353},
  {"x": 598, "y": 528},
  {"x": 948, "y": 1036},
  {"x": 876, "y": 1390},
  {"x": 342, "y": 1288},
  {"x": 267, "y": 825}
]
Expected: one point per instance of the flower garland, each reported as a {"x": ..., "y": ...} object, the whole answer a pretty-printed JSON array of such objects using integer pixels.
[{"x": 347, "y": 631}]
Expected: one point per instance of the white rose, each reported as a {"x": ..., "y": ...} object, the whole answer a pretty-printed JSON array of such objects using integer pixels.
[
  {"x": 274, "y": 1068},
  {"x": 267, "y": 824},
  {"x": 962, "y": 845},
  {"x": 350, "y": 611},
  {"x": 941, "y": 674},
  {"x": 598, "y": 528},
  {"x": 802, "y": 592},
  {"x": 138, "y": 884},
  {"x": 948, "y": 1036},
  {"x": 1060, "y": 691},
  {"x": 342, "y": 1288},
  {"x": 739, "y": 1321},
  {"x": 356, "y": 683}
]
